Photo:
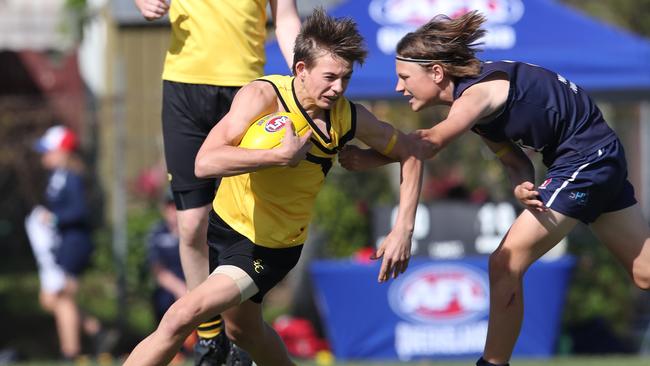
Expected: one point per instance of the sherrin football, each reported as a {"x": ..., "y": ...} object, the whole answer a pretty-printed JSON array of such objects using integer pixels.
[{"x": 268, "y": 131}]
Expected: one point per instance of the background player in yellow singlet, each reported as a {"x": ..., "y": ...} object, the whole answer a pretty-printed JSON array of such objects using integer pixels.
[
  {"x": 215, "y": 48},
  {"x": 265, "y": 200}
]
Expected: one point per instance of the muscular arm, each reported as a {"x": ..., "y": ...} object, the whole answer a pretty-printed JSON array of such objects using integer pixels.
[
  {"x": 477, "y": 102},
  {"x": 220, "y": 156},
  {"x": 396, "y": 249},
  {"x": 287, "y": 26},
  {"x": 517, "y": 165},
  {"x": 521, "y": 173}
]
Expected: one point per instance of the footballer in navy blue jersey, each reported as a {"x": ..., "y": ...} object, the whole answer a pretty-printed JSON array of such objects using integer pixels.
[{"x": 515, "y": 106}]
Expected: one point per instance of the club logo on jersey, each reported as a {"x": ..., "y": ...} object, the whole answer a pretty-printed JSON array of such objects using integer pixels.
[
  {"x": 581, "y": 198},
  {"x": 276, "y": 123},
  {"x": 546, "y": 183},
  {"x": 438, "y": 294}
]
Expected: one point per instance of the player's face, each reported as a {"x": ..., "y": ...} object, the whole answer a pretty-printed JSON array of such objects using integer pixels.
[
  {"x": 327, "y": 80},
  {"x": 416, "y": 82}
]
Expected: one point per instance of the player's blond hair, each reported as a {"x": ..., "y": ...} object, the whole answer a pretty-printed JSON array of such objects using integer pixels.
[
  {"x": 322, "y": 33},
  {"x": 451, "y": 43}
]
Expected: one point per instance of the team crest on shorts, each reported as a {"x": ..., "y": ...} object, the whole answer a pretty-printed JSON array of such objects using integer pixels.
[
  {"x": 257, "y": 265},
  {"x": 545, "y": 183}
]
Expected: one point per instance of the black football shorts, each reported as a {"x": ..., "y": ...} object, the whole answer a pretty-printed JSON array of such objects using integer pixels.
[
  {"x": 266, "y": 266},
  {"x": 188, "y": 114}
]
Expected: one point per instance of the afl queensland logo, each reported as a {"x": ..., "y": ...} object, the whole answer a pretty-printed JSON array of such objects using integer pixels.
[
  {"x": 395, "y": 18},
  {"x": 418, "y": 12},
  {"x": 440, "y": 294},
  {"x": 276, "y": 123}
]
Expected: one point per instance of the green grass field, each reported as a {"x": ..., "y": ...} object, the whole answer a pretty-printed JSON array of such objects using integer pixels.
[{"x": 563, "y": 361}]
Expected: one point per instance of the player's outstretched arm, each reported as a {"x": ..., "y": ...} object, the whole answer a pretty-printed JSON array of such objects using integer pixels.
[
  {"x": 287, "y": 25},
  {"x": 356, "y": 159},
  {"x": 220, "y": 156},
  {"x": 381, "y": 136}
]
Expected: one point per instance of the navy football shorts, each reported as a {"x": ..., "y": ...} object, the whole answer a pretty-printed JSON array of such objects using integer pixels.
[
  {"x": 189, "y": 112},
  {"x": 266, "y": 266},
  {"x": 590, "y": 185},
  {"x": 75, "y": 251}
]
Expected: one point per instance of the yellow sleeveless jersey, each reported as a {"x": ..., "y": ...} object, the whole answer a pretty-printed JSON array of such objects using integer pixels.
[
  {"x": 216, "y": 42},
  {"x": 273, "y": 207}
]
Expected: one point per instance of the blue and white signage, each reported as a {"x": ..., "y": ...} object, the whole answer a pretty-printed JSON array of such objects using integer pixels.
[
  {"x": 398, "y": 17},
  {"x": 443, "y": 310}
]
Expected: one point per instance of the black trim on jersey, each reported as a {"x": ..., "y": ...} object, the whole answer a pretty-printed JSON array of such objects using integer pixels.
[
  {"x": 325, "y": 163},
  {"x": 275, "y": 87},
  {"x": 328, "y": 124},
  {"x": 323, "y": 148},
  {"x": 353, "y": 127}
]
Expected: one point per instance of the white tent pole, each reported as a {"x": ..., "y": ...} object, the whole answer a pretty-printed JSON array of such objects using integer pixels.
[{"x": 644, "y": 116}]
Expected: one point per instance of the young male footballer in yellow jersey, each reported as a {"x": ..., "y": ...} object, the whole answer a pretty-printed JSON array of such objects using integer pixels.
[
  {"x": 216, "y": 47},
  {"x": 264, "y": 202}
]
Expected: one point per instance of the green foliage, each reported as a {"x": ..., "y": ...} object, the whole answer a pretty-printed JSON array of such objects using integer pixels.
[
  {"x": 78, "y": 5},
  {"x": 600, "y": 289},
  {"x": 341, "y": 209},
  {"x": 630, "y": 14},
  {"x": 139, "y": 284}
]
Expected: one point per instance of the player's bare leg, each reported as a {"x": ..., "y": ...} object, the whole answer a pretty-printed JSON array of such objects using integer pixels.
[
  {"x": 530, "y": 236},
  {"x": 193, "y": 233},
  {"x": 246, "y": 328},
  {"x": 626, "y": 234},
  {"x": 213, "y": 296},
  {"x": 212, "y": 347}
]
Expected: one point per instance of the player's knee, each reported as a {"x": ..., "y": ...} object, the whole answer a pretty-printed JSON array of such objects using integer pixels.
[
  {"x": 192, "y": 233},
  {"x": 242, "y": 336},
  {"x": 178, "y": 320},
  {"x": 641, "y": 277},
  {"x": 47, "y": 301},
  {"x": 500, "y": 266}
]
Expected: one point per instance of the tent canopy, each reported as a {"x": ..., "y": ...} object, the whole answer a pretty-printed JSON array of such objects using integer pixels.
[{"x": 594, "y": 55}]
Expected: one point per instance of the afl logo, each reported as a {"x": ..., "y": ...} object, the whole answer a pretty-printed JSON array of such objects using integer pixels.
[
  {"x": 418, "y": 12},
  {"x": 276, "y": 123},
  {"x": 441, "y": 294}
]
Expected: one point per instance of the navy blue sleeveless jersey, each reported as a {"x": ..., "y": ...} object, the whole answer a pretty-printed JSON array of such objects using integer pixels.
[{"x": 544, "y": 112}]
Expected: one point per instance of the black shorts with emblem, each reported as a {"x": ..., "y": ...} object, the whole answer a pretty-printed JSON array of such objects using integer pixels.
[
  {"x": 266, "y": 266},
  {"x": 188, "y": 114}
]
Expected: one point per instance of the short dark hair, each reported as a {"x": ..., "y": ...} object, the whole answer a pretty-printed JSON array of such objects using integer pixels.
[{"x": 322, "y": 33}]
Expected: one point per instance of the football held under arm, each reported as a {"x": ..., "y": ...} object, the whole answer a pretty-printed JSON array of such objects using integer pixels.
[{"x": 220, "y": 154}]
